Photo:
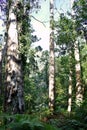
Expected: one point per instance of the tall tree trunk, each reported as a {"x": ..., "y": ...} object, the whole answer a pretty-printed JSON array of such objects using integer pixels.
[
  {"x": 79, "y": 88},
  {"x": 51, "y": 58},
  {"x": 14, "y": 102},
  {"x": 70, "y": 82}
]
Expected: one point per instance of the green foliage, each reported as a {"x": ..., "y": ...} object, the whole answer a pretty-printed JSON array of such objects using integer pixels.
[
  {"x": 36, "y": 82},
  {"x": 80, "y": 9},
  {"x": 72, "y": 125},
  {"x": 35, "y": 75},
  {"x": 24, "y": 122},
  {"x": 61, "y": 82},
  {"x": 30, "y": 68},
  {"x": 75, "y": 121},
  {"x": 66, "y": 31},
  {"x": 84, "y": 63}
]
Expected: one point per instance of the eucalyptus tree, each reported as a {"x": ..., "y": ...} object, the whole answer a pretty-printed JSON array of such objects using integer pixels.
[
  {"x": 77, "y": 22},
  {"x": 65, "y": 37},
  {"x": 28, "y": 53},
  {"x": 14, "y": 102},
  {"x": 18, "y": 43},
  {"x": 79, "y": 86},
  {"x": 80, "y": 16},
  {"x": 51, "y": 58}
]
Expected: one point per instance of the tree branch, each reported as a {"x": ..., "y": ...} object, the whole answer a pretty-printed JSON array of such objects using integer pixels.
[{"x": 38, "y": 21}]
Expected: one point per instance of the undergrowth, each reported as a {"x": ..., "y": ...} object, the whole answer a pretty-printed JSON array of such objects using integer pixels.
[
  {"x": 23, "y": 122},
  {"x": 77, "y": 121}
]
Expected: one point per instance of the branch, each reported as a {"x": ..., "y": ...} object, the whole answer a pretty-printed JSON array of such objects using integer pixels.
[{"x": 38, "y": 21}]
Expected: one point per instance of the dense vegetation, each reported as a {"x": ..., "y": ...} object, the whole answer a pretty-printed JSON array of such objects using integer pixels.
[{"x": 25, "y": 102}]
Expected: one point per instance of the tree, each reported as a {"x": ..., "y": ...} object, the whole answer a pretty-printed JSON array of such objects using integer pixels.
[
  {"x": 70, "y": 82},
  {"x": 77, "y": 23},
  {"x": 64, "y": 40},
  {"x": 51, "y": 58},
  {"x": 14, "y": 102},
  {"x": 79, "y": 88}
]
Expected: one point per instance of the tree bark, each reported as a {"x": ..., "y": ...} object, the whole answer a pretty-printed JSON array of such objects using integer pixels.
[
  {"x": 14, "y": 102},
  {"x": 70, "y": 81},
  {"x": 79, "y": 88},
  {"x": 51, "y": 58}
]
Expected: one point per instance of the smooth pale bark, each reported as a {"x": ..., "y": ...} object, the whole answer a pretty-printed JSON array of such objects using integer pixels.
[
  {"x": 14, "y": 102},
  {"x": 70, "y": 93},
  {"x": 51, "y": 58},
  {"x": 79, "y": 88},
  {"x": 70, "y": 82}
]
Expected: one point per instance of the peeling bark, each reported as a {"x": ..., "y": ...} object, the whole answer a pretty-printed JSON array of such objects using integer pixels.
[{"x": 14, "y": 85}]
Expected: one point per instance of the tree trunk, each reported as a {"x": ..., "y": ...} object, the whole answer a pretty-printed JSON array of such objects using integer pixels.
[
  {"x": 51, "y": 58},
  {"x": 70, "y": 81},
  {"x": 70, "y": 93},
  {"x": 79, "y": 88},
  {"x": 14, "y": 102}
]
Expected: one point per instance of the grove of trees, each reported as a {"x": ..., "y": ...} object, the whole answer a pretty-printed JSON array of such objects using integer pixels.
[{"x": 43, "y": 89}]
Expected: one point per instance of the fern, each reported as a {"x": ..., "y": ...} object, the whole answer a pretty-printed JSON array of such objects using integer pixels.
[{"x": 24, "y": 122}]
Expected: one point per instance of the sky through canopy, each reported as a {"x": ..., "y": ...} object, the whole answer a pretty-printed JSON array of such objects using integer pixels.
[{"x": 41, "y": 25}]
